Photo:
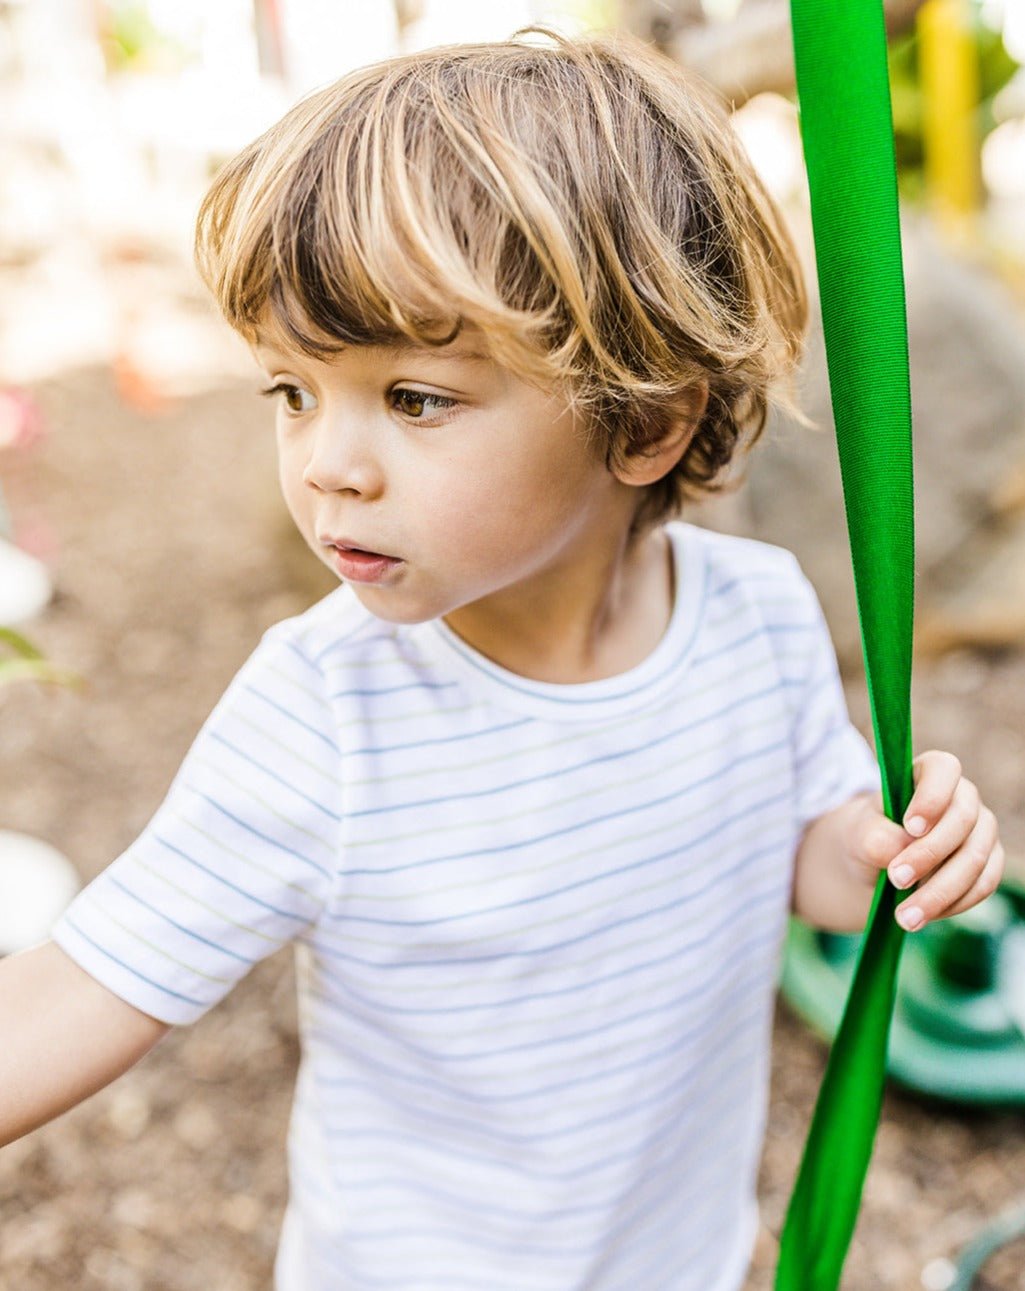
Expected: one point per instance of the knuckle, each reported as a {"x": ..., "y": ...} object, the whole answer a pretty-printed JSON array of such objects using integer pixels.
[
  {"x": 978, "y": 857},
  {"x": 965, "y": 816},
  {"x": 927, "y": 856}
]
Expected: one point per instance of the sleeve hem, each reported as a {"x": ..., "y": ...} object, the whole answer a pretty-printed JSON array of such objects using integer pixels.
[{"x": 125, "y": 982}]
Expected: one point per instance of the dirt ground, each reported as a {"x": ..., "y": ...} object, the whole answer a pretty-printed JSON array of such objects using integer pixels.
[{"x": 173, "y": 558}]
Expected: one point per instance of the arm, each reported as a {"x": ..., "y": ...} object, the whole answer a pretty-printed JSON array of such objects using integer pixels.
[
  {"x": 64, "y": 1037},
  {"x": 951, "y": 849}
]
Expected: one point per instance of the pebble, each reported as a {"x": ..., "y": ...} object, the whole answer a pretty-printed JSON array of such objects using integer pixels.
[{"x": 128, "y": 1111}]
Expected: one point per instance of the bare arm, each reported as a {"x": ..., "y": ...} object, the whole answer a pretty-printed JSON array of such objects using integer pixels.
[
  {"x": 829, "y": 891},
  {"x": 63, "y": 1036}
]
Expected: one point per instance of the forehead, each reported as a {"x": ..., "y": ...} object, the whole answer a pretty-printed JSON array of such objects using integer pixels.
[{"x": 468, "y": 347}]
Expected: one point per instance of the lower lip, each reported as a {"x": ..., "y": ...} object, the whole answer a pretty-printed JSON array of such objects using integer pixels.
[{"x": 363, "y": 566}]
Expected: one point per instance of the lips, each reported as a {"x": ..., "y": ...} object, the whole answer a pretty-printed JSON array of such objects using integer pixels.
[
  {"x": 359, "y": 564},
  {"x": 344, "y": 545}
]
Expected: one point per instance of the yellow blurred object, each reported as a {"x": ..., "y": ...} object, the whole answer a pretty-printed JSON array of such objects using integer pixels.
[{"x": 949, "y": 67}]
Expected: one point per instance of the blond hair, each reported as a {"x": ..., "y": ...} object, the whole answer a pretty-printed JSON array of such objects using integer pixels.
[{"x": 582, "y": 202}]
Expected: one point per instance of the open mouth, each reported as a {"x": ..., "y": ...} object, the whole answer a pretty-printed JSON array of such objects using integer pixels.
[{"x": 360, "y": 564}]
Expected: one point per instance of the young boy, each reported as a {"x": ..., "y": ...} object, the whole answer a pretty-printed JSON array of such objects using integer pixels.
[{"x": 534, "y": 790}]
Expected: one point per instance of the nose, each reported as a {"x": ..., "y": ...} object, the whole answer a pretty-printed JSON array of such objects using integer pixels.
[{"x": 342, "y": 460}]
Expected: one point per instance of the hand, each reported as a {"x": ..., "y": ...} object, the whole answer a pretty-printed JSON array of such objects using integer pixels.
[{"x": 949, "y": 844}]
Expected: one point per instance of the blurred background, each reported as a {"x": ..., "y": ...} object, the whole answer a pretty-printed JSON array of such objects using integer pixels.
[{"x": 144, "y": 548}]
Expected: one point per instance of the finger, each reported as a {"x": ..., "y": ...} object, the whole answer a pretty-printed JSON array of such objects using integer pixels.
[
  {"x": 956, "y": 879},
  {"x": 926, "y": 854},
  {"x": 936, "y": 774},
  {"x": 881, "y": 842},
  {"x": 985, "y": 885}
]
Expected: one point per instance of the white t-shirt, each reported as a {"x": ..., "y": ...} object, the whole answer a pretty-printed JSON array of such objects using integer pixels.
[{"x": 537, "y": 928}]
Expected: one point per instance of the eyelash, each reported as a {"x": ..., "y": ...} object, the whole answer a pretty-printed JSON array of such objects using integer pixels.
[{"x": 440, "y": 402}]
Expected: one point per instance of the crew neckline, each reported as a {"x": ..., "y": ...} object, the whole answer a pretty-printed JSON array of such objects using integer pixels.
[{"x": 637, "y": 687}]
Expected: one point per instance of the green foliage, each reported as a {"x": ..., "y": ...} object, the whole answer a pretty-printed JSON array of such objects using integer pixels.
[
  {"x": 133, "y": 42},
  {"x": 996, "y": 67},
  {"x": 25, "y": 662}
]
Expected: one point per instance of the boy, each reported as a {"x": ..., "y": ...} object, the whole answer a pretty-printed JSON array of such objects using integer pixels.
[{"x": 534, "y": 790}]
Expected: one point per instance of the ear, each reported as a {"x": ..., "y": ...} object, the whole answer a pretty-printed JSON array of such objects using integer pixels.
[{"x": 649, "y": 464}]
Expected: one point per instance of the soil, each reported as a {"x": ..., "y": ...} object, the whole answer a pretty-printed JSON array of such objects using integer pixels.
[{"x": 174, "y": 555}]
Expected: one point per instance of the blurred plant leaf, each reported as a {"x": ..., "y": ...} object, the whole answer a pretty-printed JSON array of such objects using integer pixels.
[
  {"x": 996, "y": 67},
  {"x": 27, "y": 663}
]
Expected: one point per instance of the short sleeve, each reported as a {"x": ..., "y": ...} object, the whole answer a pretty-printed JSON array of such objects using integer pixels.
[
  {"x": 238, "y": 860},
  {"x": 832, "y": 759}
]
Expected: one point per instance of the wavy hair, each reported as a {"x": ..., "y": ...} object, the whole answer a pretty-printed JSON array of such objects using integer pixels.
[{"x": 583, "y": 202}]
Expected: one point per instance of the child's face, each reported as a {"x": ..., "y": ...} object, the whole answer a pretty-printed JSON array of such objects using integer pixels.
[{"x": 473, "y": 490}]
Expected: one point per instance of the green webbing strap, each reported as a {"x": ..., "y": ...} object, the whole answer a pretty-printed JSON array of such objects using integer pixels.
[{"x": 844, "y": 95}]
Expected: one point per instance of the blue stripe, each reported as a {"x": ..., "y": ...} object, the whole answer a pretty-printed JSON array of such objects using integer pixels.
[
  {"x": 539, "y": 950},
  {"x": 128, "y": 967},
  {"x": 760, "y": 897},
  {"x": 300, "y": 653},
  {"x": 475, "y": 661},
  {"x": 274, "y": 776},
  {"x": 756, "y": 580},
  {"x": 761, "y": 630},
  {"x": 383, "y": 633},
  {"x": 618, "y": 1114},
  {"x": 566, "y": 1037},
  {"x": 666, "y": 1160},
  {"x": 286, "y": 914},
  {"x": 547, "y": 1176},
  {"x": 180, "y": 926},
  {"x": 642, "y": 1204},
  {"x": 417, "y": 685},
  {"x": 441, "y": 739},
  {"x": 700, "y": 1270},
  {"x": 599, "y": 877},
  {"x": 602, "y": 759},
  {"x": 490, "y": 1006},
  {"x": 681, "y": 792},
  {"x": 667, "y": 1052},
  {"x": 287, "y": 712},
  {"x": 266, "y": 838}
]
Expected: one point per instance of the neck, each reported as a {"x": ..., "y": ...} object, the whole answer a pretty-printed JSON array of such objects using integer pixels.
[{"x": 589, "y": 618}]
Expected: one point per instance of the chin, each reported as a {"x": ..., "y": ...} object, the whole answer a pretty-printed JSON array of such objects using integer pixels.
[{"x": 391, "y": 608}]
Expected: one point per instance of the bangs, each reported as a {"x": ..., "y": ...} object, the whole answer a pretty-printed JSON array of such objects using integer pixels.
[
  {"x": 389, "y": 220},
  {"x": 582, "y": 205}
]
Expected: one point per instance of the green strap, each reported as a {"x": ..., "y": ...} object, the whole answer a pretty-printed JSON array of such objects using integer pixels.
[{"x": 844, "y": 96}]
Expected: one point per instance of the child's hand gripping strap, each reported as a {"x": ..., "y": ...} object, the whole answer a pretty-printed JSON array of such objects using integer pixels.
[{"x": 844, "y": 96}]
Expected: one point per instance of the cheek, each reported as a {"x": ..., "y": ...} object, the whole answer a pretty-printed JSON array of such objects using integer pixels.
[{"x": 293, "y": 490}]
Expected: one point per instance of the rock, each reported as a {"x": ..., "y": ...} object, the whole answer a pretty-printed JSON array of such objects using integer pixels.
[
  {"x": 36, "y": 884},
  {"x": 967, "y": 354},
  {"x": 980, "y": 600},
  {"x": 25, "y": 587}
]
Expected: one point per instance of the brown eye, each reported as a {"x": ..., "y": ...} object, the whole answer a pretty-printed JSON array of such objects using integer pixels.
[
  {"x": 414, "y": 403},
  {"x": 411, "y": 402},
  {"x": 292, "y": 395}
]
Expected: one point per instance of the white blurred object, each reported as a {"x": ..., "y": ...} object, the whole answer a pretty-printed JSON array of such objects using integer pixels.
[
  {"x": 444, "y": 22},
  {"x": 36, "y": 885},
  {"x": 25, "y": 587},
  {"x": 323, "y": 40}
]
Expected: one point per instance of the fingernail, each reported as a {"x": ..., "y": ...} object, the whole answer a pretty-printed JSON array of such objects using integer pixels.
[
  {"x": 901, "y": 876},
  {"x": 915, "y": 825},
  {"x": 909, "y": 917}
]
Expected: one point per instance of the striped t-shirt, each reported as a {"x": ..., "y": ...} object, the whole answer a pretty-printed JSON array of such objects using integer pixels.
[{"x": 537, "y": 928}]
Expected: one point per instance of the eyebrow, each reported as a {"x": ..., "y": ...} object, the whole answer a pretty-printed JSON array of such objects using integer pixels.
[{"x": 398, "y": 348}]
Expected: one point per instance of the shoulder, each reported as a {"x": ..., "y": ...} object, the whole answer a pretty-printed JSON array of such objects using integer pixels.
[
  {"x": 335, "y": 629},
  {"x": 758, "y": 575}
]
